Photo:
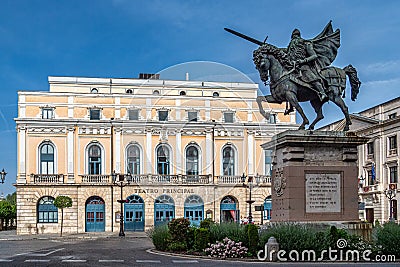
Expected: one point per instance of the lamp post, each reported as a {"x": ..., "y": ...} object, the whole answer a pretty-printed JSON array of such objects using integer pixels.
[
  {"x": 3, "y": 176},
  {"x": 249, "y": 201},
  {"x": 390, "y": 194},
  {"x": 121, "y": 183}
]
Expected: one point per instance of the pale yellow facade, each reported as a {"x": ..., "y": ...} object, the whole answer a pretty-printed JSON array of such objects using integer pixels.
[{"x": 74, "y": 136}]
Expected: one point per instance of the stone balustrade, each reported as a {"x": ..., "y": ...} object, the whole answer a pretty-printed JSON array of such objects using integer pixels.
[
  {"x": 150, "y": 179},
  {"x": 47, "y": 178}
]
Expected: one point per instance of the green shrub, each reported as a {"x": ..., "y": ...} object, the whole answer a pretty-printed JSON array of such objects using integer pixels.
[
  {"x": 206, "y": 223},
  {"x": 294, "y": 236},
  {"x": 160, "y": 237},
  {"x": 387, "y": 238},
  {"x": 178, "y": 229},
  {"x": 233, "y": 231},
  {"x": 190, "y": 238},
  {"x": 253, "y": 238},
  {"x": 201, "y": 238},
  {"x": 177, "y": 246}
]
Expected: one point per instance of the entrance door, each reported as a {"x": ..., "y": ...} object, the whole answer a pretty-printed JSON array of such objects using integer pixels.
[
  {"x": 164, "y": 210},
  {"x": 194, "y": 209},
  {"x": 229, "y": 212},
  {"x": 95, "y": 214},
  {"x": 134, "y": 214},
  {"x": 369, "y": 214}
]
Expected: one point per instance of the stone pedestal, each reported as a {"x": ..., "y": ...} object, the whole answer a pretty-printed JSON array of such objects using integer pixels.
[{"x": 314, "y": 176}]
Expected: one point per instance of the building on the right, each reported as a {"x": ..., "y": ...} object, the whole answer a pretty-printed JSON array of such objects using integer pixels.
[{"x": 378, "y": 160}]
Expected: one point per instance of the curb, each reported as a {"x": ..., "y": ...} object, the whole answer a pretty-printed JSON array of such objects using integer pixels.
[{"x": 171, "y": 254}]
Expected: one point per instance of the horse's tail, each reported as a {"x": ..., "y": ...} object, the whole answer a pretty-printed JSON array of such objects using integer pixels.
[{"x": 354, "y": 81}]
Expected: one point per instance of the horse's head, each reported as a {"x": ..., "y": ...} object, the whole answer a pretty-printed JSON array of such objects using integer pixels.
[{"x": 262, "y": 63}]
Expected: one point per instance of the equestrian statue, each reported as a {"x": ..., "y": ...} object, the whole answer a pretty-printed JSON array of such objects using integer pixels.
[{"x": 303, "y": 72}]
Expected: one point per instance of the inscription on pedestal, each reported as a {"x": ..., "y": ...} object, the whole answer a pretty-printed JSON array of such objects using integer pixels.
[{"x": 323, "y": 192}]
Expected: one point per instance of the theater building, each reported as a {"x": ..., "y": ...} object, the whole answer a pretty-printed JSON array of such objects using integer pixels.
[{"x": 180, "y": 148}]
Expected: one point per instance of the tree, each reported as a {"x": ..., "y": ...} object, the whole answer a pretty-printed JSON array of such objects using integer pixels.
[
  {"x": 62, "y": 202},
  {"x": 6, "y": 212}
]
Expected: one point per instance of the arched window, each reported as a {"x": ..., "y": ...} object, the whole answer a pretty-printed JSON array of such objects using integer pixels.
[
  {"x": 94, "y": 156},
  {"x": 135, "y": 199},
  {"x": 133, "y": 159},
  {"x": 46, "y": 211},
  {"x": 163, "y": 159},
  {"x": 192, "y": 160},
  {"x": 228, "y": 161},
  {"x": 47, "y": 159}
]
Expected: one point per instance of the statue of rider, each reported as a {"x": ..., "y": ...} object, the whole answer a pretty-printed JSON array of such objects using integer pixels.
[{"x": 302, "y": 54}]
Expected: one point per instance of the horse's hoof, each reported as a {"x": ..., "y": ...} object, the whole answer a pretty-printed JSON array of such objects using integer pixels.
[{"x": 311, "y": 128}]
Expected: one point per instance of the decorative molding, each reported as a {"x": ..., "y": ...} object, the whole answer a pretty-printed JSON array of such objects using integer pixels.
[
  {"x": 279, "y": 182},
  {"x": 53, "y": 130}
]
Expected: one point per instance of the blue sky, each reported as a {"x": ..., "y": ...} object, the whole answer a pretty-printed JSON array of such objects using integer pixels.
[{"x": 122, "y": 38}]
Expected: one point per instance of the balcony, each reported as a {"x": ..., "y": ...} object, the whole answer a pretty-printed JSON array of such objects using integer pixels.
[
  {"x": 229, "y": 179},
  {"x": 393, "y": 152},
  {"x": 196, "y": 179},
  {"x": 47, "y": 178},
  {"x": 142, "y": 179},
  {"x": 369, "y": 189},
  {"x": 264, "y": 179},
  {"x": 96, "y": 179}
]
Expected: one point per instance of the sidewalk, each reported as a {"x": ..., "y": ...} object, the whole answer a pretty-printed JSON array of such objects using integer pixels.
[{"x": 11, "y": 235}]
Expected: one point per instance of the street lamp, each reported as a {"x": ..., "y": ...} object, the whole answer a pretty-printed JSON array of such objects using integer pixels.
[
  {"x": 390, "y": 194},
  {"x": 3, "y": 176},
  {"x": 121, "y": 183},
  {"x": 249, "y": 201}
]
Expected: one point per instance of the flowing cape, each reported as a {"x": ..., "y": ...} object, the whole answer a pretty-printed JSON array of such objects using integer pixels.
[{"x": 326, "y": 45}]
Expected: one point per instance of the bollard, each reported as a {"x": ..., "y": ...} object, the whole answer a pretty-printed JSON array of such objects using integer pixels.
[{"x": 272, "y": 248}]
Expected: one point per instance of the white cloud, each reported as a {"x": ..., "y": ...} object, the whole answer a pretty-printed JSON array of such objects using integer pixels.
[{"x": 392, "y": 66}]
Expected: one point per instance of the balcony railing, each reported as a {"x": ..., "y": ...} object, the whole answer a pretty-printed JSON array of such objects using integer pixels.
[
  {"x": 150, "y": 179},
  {"x": 393, "y": 152},
  {"x": 47, "y": 178},
  {"x": 264, "y": 179},
  {"x": 229, "y": 179},
  {"x": 96, "y": 178},
  {"x": 196, "y": 179}
]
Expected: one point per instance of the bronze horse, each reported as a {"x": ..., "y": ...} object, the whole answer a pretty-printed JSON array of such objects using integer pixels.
[{"x": 287, "y": 86}]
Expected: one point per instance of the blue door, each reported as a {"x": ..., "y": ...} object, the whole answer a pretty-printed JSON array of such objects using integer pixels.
[
  {"x": 134, "y": 214},
  {"x": 194, "y": 209},
  {"x": 164, "y": 210},
  {"x": 267, "y": 208},
  {"x": 95, "y": 214}
]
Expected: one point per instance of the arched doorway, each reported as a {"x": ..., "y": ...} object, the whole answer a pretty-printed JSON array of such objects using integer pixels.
[
  {"x": 194, "y": 209},
  {"x": 267, "y": 208},
  {"x": 134, "y": 213},
  {"x": 229, "y": 209},
  {"x": 95, "y": 214},
  {"x": 164, "y": 210}
]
